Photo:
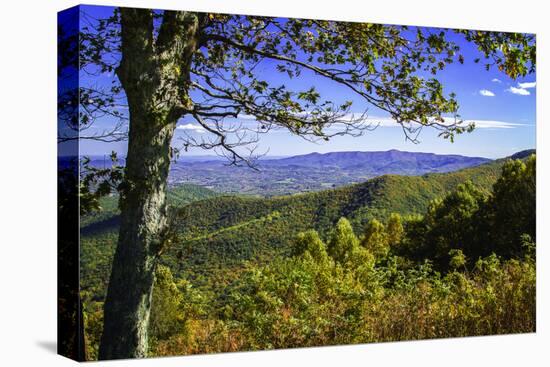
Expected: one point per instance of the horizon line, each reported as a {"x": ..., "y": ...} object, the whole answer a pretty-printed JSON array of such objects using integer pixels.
[{"x": 267, "y": 156}]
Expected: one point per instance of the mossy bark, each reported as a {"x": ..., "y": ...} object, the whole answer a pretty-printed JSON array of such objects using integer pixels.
[{"x": 154, "y": 74}]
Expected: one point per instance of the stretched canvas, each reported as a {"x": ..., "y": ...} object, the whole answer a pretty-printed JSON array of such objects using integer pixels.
[{"x": 237, "y": 183}]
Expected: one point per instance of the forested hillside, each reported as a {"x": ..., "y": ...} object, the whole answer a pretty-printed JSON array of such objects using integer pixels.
[
  {"x": 107, "y": 217},
  {"x": 249, "y": 273},
  {"x": 99, "y": 233},
  {"x": 219, "y": 233}
]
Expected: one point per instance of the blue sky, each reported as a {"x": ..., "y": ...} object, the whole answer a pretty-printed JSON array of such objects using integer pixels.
[{"x": 504, "y": 111}]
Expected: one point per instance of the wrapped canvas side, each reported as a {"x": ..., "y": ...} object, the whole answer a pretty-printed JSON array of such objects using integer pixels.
[{"x": 70, "y": 322}]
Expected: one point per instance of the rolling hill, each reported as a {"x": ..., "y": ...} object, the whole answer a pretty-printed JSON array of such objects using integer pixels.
[
  {"x": 220, "y": 235},
  {"x": 222, "y": 232}
]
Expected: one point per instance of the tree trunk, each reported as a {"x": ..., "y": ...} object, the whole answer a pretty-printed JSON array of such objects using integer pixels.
[{"x": 154, "y": 75}]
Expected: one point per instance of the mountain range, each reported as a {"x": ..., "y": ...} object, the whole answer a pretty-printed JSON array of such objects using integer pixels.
[
  {"x": 314, "y": 171},
  {"x": 391, "y": 161}
]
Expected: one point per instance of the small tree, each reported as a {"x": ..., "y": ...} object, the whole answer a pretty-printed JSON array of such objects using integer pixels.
[
  {"x": 310, "y": 244},
  {"x": 375, "y": 238},
  {"x": 458, "y": 259},
  {"x": 452, "y": 222},
  {"x": 394, "y": 229},
  {"x": 166, "y": 315},
  {"x": 342, "y": 242}
]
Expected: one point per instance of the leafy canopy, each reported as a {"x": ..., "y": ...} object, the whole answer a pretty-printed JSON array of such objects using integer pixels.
[{"x": 392, "y": 68}]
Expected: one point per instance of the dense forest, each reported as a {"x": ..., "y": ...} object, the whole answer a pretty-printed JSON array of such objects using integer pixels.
[{"x": 393, "y": 258}]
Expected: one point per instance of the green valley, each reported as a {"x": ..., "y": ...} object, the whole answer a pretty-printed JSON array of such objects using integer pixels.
[{"x": 220, "y": 243}]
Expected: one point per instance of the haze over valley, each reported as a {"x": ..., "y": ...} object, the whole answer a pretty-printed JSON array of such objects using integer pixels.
[{"x": 310, "y": 172}]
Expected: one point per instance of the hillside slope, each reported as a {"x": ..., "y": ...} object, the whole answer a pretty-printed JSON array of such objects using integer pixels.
[
  {"x": 220, "y": 235},
  {"x": 99, "y": 233},
  {"x": 107, "y": 218}
]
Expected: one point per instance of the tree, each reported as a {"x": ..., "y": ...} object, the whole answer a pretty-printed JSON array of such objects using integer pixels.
[
  {"x": 310, "y": 244},
  {"x": 342, "y": 242},
  {"x": 394, "y": 229},
  {"x": 458, "y": 259},
  {"x": 166, "y": 316},
  {"x": 451, "y": 223},
  {"x": 375, "y": 238},
  {"x": 512, "y": 207},
  {"x": 175, "y": 64}
]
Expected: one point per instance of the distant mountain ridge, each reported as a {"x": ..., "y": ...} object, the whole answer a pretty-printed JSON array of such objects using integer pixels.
[
  {"x": 314, "y": 171},
  {"x": 523, "y": 154},
  {"x": 309, "y": 172},
  {"x": 382, "y": 162}
]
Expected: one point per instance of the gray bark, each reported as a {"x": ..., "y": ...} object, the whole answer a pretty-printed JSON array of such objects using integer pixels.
[{"x": 154, "y": 75}]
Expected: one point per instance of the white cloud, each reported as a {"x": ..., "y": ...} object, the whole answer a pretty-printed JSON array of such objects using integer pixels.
[
  {"x": 381, "y": 122},
  {"x": 496, "y": 80},
  {"x": 489, "y": 124},
  {"x": 486, "y": 93},
  {"x": 519, "y": 91},
  {"x": 527, "y": 85},
  {"x": 192, "y": 127},
  {"x": 479, "y": 124}
]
